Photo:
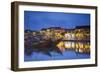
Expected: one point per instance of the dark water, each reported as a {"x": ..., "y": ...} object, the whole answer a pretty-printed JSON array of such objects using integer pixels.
[{"x": 66, "y": 55}]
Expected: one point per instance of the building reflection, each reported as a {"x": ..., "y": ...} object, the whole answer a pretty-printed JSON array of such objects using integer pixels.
[{"x": 82, "y": 47}]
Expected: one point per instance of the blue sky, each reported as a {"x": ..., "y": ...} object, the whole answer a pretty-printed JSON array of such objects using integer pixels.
[{"x": 35, "y": 20}]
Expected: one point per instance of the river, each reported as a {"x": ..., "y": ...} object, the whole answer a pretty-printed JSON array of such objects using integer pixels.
[{"x": 66, "y": 55}]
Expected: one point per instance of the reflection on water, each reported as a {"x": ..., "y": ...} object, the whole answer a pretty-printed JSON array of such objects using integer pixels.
[
  {"x": 73, "y": 50},
  {"x": 78, "y": 46},
  {"x": 69, "y": 45},
  {"x": 66, "y": 55}
]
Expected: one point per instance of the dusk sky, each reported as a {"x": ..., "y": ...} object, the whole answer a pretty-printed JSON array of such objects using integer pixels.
[{"x": 35, "y": 20}]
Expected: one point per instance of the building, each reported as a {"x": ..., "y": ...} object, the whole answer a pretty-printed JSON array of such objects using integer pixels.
[
  {"x": 69, "y": 34},
  {"x": 82, "y": 33}
]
